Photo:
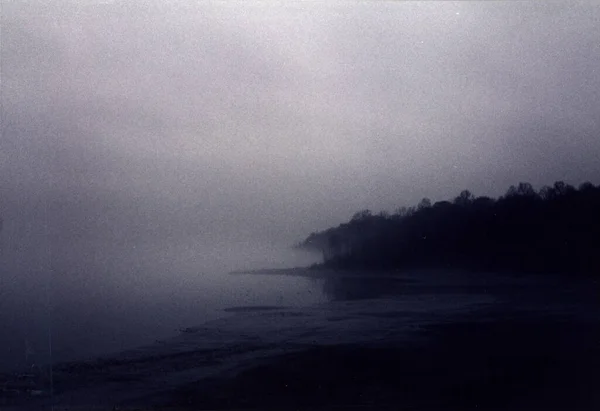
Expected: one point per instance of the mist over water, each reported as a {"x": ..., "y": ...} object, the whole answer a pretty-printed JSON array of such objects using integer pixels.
[{"x": 97, "y": 300}]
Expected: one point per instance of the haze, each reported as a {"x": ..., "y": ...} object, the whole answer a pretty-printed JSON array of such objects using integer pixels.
[{"x": 155, "y": 139}]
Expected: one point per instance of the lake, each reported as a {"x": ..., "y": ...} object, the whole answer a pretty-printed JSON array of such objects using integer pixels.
[
  {"x": 96, "y": 306},
  {"x": 449, "y": 339}
]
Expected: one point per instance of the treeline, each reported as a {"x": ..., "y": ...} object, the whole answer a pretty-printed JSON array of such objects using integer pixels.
[{"x": 556, "y": 229}]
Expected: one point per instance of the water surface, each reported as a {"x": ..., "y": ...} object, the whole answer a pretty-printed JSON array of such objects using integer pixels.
[{"x": 89, "y": 307}]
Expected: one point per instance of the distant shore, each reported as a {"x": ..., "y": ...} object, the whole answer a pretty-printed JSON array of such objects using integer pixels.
[
  {"x": 297, "y": 271},
  {"x": 322, "y": 271}
]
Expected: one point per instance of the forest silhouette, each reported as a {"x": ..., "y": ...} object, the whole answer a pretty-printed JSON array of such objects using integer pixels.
[{"x": 555, "y": 229}]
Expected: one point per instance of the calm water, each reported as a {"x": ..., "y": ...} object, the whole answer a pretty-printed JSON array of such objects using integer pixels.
[{"x": 93, "y": 309}]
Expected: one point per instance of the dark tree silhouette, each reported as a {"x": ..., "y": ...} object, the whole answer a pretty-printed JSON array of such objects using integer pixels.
[
  {"x": 464, "y": 199},
  {"x": 424, "y": 203},
  {"x": 554, "y": 230}
]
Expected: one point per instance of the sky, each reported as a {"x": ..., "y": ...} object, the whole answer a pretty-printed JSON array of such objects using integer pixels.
[{"x": 160, "y": 128}]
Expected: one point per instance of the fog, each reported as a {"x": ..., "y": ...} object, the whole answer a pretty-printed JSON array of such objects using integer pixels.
[{"x": 144, "y": 143}]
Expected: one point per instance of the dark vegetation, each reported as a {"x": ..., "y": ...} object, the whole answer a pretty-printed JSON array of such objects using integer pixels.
[{"x": 556, "y": 229}]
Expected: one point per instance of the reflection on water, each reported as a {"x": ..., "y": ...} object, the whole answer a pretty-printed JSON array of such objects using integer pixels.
[{"x": 357, "y": 287}]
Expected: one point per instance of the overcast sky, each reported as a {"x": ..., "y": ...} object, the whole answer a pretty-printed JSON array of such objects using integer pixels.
[{"x": 189, "y": 122}]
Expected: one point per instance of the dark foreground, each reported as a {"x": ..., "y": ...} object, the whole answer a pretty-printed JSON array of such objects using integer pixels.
[
  {"x": 510, "y": 364},
  {"x": 528, "y": 345}
]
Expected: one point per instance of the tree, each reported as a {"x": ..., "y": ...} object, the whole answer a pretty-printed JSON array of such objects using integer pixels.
[
  {"x": 547, "y": 193},
  {"x": 561, "y": 188},
  {"x": 555, "y": 230},
  {"x": 383, "y": 214},
  {"x": 464, "y": 198},
  {"x": 584, "y": 187},
  {"x": 526, "y": 190},
  {"x": 362, "y": 215},
  {"x": 401, "y": 211},
  {"x": 442, "y": 204},
  {"x": 424, "y": 203},
  {"x": 511, "y": 192}
]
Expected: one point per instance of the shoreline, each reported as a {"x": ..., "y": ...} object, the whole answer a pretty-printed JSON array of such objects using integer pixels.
[
  {"x": 436, "y": 338},
  {"x": 420, "y": 274},
  {"x": 488, "y": 363}
]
